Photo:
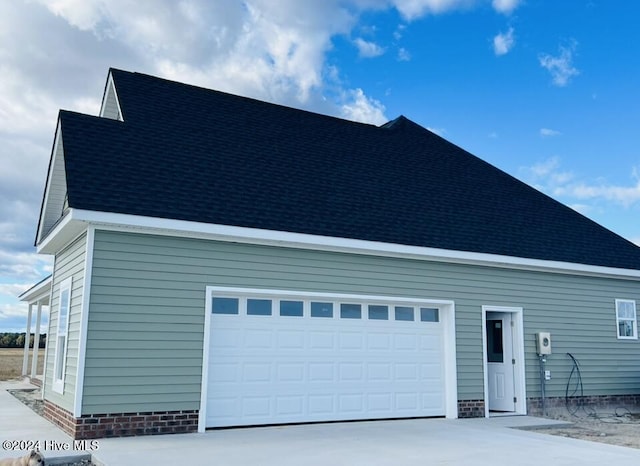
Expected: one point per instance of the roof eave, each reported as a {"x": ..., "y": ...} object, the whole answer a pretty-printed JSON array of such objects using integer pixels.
[
  {"x": 63, "y": 232},
  {"x": 38, "y": 292},
  {"x": 79, "y": 219}
]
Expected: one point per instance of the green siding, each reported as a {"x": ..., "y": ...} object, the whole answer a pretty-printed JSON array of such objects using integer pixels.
[
  {"x": 69, "y": 262},
  {"x": 147, "y": 313}
]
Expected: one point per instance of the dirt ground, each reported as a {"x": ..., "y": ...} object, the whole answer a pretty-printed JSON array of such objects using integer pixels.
[{"x": 619, "y": 426}]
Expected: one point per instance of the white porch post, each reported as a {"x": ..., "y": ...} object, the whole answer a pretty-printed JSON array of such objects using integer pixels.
[
  {"x": 36, "y": 342},
  {"x": 27, "y": 337}
]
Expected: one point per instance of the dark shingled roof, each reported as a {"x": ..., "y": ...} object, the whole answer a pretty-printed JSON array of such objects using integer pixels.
[{"x": 189, "y": 153}]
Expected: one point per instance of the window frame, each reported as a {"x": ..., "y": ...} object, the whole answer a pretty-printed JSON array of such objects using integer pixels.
[
  {"x": 60, "y": 357},
  {"x": 619, "y": 319}
]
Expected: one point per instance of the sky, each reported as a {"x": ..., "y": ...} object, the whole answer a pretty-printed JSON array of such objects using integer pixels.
[{"x": 548, "y": 91}]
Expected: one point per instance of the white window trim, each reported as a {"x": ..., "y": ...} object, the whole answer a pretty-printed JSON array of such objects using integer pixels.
[
  {"x": 635, "y": 320},
  {"x": 58, "y": 383}
]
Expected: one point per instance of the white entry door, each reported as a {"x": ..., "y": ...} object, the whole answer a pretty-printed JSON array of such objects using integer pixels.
[
  {"x": 279, "y": 360},
  {"x": 500, "y": 362}
]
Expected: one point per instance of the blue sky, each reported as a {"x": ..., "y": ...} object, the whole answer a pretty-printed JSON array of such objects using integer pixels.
[{"x": 545, "y": 90}]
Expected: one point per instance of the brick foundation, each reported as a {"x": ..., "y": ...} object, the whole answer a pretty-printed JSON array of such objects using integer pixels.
[
  {"x": 94, "y": 426},
  {"x": 470, "y": 408},
  {"x": 534, "y": 405}
]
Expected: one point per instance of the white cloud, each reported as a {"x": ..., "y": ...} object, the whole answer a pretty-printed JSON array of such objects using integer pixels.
[
  {"x": 546, "y": 132},
  {"x": 548, "y": 177},
  {"x": 403, "y": 54},
  {"x": 361, "y": 108},
  {"x": 623, "y": 195},
  {"x": 549, "y": 170},
  {"x": 367, "y": 49},
  {"x": 503, "y": 42},
  {"x": 561, "y": 66},
  {"x": 439, "y": 131},
  {"x": 505, "y": 6},
  {"x": 413, "y": 9},
  {"x": 27, "y": 266},
  {"x": 13, "y": 289},
  {"x": 12, "y": 311}
]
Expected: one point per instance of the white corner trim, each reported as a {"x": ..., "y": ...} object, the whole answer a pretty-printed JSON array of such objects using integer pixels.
[
  {"x": 84, "y": 321},
  {"x": 450, "y": 361},
  {"x": 202, "y": 413},
  {"x": 171, "y": 227}
]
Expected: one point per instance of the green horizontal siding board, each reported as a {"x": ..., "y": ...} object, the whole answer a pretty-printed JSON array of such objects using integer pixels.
[
  {"x": 163, "y": 279},
  {"x": 120, "y": 405},
  {"x": 69, "y": 262}
]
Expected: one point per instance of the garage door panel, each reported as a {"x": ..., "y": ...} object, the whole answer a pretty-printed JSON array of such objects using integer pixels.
[
  {"x": 351, "y": 341},
  {"x": 378, "y": 341},
  {"x": 406, "y": 371},
  {"x": 351, "y": 371},
  {"x": 321, "y": 340},
  {"x": 290, "y": 405},
  {"x": 291, "y": 339},
  {"x": 276, "y": 369},
  {"x": 291, "y": 372}
]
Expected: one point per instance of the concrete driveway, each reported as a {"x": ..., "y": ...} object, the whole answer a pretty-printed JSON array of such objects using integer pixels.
[
  {"x": 398, "y": 443},
  {"x": 491, "y": 442}
]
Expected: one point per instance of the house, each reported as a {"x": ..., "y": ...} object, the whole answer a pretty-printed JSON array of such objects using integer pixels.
[{"x": 222, "y": 261}]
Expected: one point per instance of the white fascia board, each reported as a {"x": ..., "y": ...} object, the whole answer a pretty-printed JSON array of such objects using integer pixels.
[
  {"x": 182, "y": 228},
  {"x": 38, "y": 292},
  {"x": 62, "y": 233}
]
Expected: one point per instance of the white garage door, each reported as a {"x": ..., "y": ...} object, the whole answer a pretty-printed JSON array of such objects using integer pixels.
[{"x": 279, "y": 359}]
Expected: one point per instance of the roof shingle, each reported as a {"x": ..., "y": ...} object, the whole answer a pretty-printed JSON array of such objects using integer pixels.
[{"x": 189, "y": 153}]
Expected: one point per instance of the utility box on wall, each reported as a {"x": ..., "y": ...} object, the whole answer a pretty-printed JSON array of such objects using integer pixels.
[{"x": 543, "y": 343}]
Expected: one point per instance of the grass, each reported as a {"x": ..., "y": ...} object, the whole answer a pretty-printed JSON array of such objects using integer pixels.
[{"x": 11, "y": 362}]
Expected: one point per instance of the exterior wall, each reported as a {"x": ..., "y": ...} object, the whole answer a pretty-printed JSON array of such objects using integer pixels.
[
  {"x": 68, "y": 263},
  {"x": 57, "y": 188},
  {"x": 110, "y": 109},
  {"x": 121, "y": 424},
  {"x": 146, "y": 317}
]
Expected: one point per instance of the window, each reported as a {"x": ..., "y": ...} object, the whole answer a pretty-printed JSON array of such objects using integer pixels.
[
  {"x": 377, "y": 312},
  {"x": 429, "y": 314},
  {"x": 64, "y": 306},
  {"x": 225, "y": 305},
  {"x": 495, "y": 350},
  {"x": 321, "y": 309},
  {"x": 259, "y": 307},
  {"x": 404, "y": 313},
  {"x": 350, "y": 311},
  {"x": 626, "y": 319},
  {"x": 291, "y": 308}
]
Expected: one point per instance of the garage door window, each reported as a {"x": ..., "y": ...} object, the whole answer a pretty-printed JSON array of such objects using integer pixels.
[
  {"x": 377, "y": 312},
  {"x": 350, "y": 311},
  {"x": 324, "y": 307},
  {"x": 404, "y": 313},
  {"x": 259, "y": 307},
  {"x": 225, "y": 305},
  {"x": 429, "y": 314},
  {"x": 321, "y": 309},
  {"x": 291, "y": 308}
]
